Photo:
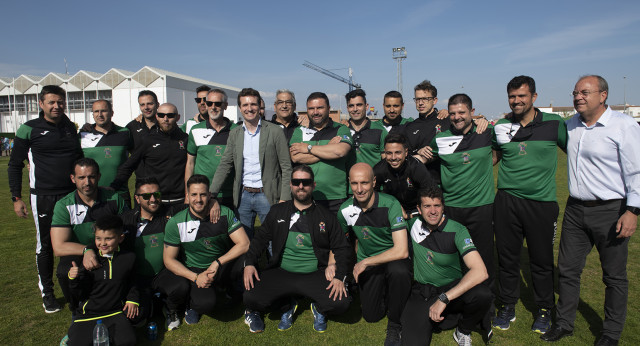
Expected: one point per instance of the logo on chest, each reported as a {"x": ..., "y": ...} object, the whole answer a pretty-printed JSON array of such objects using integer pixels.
[
  {"x": 522, "y": 146},
  {"x": 365, "y": 233},
  {"x": 107, "y": 153},
  {"x": 300, "y": 240},
  {"x": 322, "y": 227},
  {"x": 218, "y": 150},
  {"x": 429, "y": 257},
  {"x": 409, "y": 182},
  {"x": 438, "y": 128},
  {"x": 153, "y": 241},
  {"x": 207, "y": 243},
  {"x": 181, "y": 144},
  {"x": 466, "y": 158}
]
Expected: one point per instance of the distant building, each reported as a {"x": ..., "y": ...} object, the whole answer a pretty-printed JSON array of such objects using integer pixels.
[{"x": 19, "y": 96}]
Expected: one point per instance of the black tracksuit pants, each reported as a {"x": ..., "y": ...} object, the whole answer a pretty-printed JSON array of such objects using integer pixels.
[{"x": 383, "y": 288}]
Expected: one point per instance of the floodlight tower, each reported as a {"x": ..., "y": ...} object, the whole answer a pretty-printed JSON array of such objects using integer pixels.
[{"x": 399, "y": 54}]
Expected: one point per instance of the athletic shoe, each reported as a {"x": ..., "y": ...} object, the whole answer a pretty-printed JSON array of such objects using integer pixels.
[
  {"x": 461, "y": 338},
  {"x": 64, "y": 340},
  {"x": 319, "y": 320},
  {"x": 393, "y": 334},
  {"x": 286, "y": 320},
  {"x": 50, "y": 304},
  {"x": 191, "y": 317},
  {"x": 254, "y": 321},
  {"x": 542, "y": 324},
  {"x": 173, "y": 322},
  {"x": 504, "y": 317}
]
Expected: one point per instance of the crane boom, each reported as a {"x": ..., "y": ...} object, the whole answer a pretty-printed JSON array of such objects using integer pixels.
[{"x": 349, "y": 81}]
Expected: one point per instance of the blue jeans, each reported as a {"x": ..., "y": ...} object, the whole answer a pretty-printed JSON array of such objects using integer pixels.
[{"x": 251, "y": 204}]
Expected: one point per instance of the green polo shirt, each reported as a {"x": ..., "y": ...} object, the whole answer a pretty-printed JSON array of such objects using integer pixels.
[
  {"x": 110, "y": 150},
  {"x": 298, "y": 255}
]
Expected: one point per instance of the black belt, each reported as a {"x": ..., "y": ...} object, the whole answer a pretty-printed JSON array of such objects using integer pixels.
[
  {"x": 253, "y": 189},
  {"x": 593, "y": 203}
]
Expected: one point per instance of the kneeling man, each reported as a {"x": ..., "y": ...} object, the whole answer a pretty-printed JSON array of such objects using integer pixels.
[
  {"x": 440, "y": 245},
  {"x": 311, "y": 258}
]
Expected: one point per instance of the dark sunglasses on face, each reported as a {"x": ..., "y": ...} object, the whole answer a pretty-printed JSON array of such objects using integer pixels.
[
  {"x": 304, "y": 182},
  {"x": 200, "y": 99},
  {"x": 216, "y": 103},
  {"x": 168, "y": 115},
  {"x": 147, "y": 196}
]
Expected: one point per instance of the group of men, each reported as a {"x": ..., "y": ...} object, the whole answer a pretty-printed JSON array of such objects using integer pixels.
[{"x": 401, "y": 211}]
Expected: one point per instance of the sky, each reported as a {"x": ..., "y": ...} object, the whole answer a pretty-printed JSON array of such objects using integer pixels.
[{"x": 472, "y": 47}]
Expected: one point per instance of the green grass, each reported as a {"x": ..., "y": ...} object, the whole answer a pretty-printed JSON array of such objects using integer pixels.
[{"x": 24, "y": 322}]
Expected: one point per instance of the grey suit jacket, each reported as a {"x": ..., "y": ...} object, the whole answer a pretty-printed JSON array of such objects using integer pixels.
[{"x": 275, "y": 163}]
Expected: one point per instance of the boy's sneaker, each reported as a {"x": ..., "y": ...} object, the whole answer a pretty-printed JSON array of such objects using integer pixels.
[
  {"x": 173, "y": 321},
  {"x": 393, "y": 334},
  {"x": 50, "y": 304},
  {"x": 461, "y": 338},
  {"x": 191, "y": 317},
  {"x": 286, "y": 321},
  {"x": 64, "y": 340},
  {"x": 506, "y": 314},
  {"x": 319, "y": 320},
  {"x": 254, "y": 321},
  {"x": 542, "y": 324}
]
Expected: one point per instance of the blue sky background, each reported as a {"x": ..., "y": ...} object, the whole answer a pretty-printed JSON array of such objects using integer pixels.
[{"x": 461, "y": 46}]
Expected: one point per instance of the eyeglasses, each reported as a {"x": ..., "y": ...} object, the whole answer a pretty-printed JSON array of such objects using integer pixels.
[
  {"x": 287, "y": 102},
  {"x": 200, "y": 99},
  {"x": 584, "y": 93},
  {"x": 304, "y": 182},
  {"x": 147, "y": 196},
  {"x": 423, "y": 99},
  {"x": 168, "y": 115},
  {"x": 216, "y": 103}
]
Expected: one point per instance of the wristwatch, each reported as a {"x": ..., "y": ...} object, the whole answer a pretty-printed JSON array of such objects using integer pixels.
[
  {"x": 634, "y": 210},
  {"x": 443, "y": 298},
  {"x": 309, "y": 148},
  {"x": 15, "y": 199}
]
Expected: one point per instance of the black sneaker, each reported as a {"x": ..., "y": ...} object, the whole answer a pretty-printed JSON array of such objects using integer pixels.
[
  {"x": 393, "y": 334},
  {"x": 50, "y": 304}
]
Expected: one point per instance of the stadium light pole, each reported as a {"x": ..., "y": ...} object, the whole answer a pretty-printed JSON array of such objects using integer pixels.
[{"x": 399, "y": 54}]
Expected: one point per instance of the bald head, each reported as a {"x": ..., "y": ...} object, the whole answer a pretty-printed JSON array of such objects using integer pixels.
[
  {"x": 167, "y": 116},
  {"x": 362, "y": 182}
]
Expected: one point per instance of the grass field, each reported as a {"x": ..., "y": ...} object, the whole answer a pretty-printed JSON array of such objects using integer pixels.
[{"x": 24, "y": 322}]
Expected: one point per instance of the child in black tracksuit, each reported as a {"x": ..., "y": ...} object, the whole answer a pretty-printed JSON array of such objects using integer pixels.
[{"x": 106, "y": 293}]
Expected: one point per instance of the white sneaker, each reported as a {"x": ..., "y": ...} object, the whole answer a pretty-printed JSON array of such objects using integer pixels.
[
  {"x": 173, "y": 322},
  {"x": 461, "y": 339}
]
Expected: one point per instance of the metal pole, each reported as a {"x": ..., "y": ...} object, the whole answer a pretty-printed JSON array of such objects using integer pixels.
[{"x": 625, "y": 95}]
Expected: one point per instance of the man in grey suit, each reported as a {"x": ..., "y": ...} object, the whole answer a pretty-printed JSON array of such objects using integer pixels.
[{"x": 259, "y": 181}]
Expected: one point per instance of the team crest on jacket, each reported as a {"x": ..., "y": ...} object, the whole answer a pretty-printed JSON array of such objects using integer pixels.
[
  {"x": 438, "y": 128},
  {"x": 107, "y": 153},
  {"x": 299, "y": 240},
  {"x": 466, "y": 158},
  {"x": 429, "y": 257},
  {"x": 365, "y": 233},
  {"x": 409, "y": 183},
  {"x": 207, "y": 243},
  {"x": 322, "y": 226},
  {"x": 522, "y": 146},
  {"x": 181, "y": 143},
  {"x": 153, "y": 240},
  {"x": 218, "y": 150}
]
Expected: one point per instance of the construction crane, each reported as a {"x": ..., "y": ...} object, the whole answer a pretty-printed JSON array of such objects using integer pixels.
[{"x": 349, "y": 81}]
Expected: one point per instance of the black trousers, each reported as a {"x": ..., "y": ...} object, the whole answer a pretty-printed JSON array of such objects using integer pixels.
[
  {"x": 121, "y": 332},
  {"x": 470, "y": 308},
  {"x": 277, "y": 283},
  {"x": 167, "y": 284},
  {"x": 479, "y": 222},
  {"x": 384, "y": 289},
  {"x": 42, "y": 210},
  {"x": 516, "y": 219},
  {"x": 582, "y": 228}
]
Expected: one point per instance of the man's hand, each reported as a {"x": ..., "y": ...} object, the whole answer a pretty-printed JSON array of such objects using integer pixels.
[
  {"x": 626, "y": 225},
  {"x": 303, "y": 120},
  {"x": 436, "y": 310},
  {"x": 443, "y": 114},
  {"x": 337, "y": 290},
  {"x": 330, "y": 271},
  {"x": 298, "y": 148},
  {"x": 85, "y": 128},
  {"x": 131, "y": 310},
  {"x": 212, "y": 270},
  {"x": 335, "y": 140},
  {"x": 20, "y": 208},
  {"x": 249, "y": 273},
  {"x": 481, "y": 124},
  {"x": 203, "y": 280},
  {"x": 90, "y": 260},
  {"x": 359, "y": 268},
  {"x": 214, "y": 213},
  {"x": 138, "y": 118},
  {"x": 426, "y": 153},
  {"x": 73, "y": 272}
]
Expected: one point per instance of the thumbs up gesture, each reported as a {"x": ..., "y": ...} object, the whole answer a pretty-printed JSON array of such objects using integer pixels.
[{"x": 73, "y": 272}]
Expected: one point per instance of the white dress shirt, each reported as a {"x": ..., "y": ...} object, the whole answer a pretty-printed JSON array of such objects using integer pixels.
[
  {"x": 603, "y": 160},
  {"x": 251, "y": 174}
]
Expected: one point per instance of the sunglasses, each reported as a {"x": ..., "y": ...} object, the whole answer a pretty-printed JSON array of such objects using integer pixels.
[
  {"x": 168, "y": 115},
  {"x": 200, "y": 99},
  {"x": 304, "y": 182},
  {"x": 147, "y": 196},
  {"x": 216, "y": 103}
]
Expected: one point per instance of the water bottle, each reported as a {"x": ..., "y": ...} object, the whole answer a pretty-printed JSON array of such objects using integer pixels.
[
  {"x": 152, "y": 331},
  {"x": 100, "y": 334}
]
